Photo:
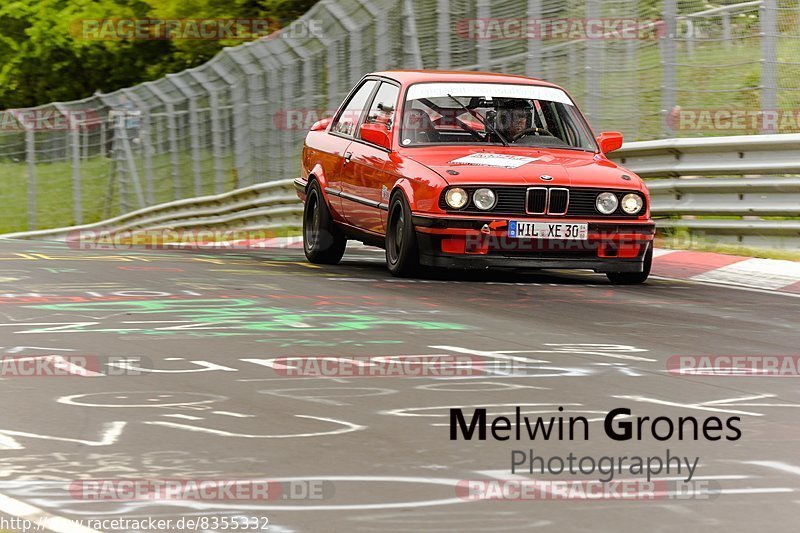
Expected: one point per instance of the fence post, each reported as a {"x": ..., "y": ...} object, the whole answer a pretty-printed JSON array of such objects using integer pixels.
[
  {"x": 172, "y": 136},
  {"x": 411, "y": 34},
  {"x": 74, "y": 129},
  {"x": 251, "y": 85},
  {"x": 668, "y": 48},
  {"x": 443, "y": 33},
  {"x": 274, "y": 130},
  {"x": 631, "y": 63},
  {"x": 77, "y": 195},
  {"x": 354, "y": 37},
  {"x": 593, "y": 69},
  {"x": 216, "y": 133},
  {"x": 726, "y": 30},
  {"x": 119, "y": 156},
  {"x": 146, "y": 144},
  {"x": 690, "y": 36},
  {"x": 30, "y": 158},
  {"x": 481, "y": 43},
  {"x": 305, "y": 80},
  {"x": 381, "y": 41},
  {"x": 194, "y": 130},
  {"x": 241, "y": 135},
  {"x": 333, "y": 75},
  {"x": 769, "y": 75},
  {"x": 533, "y": 61}
]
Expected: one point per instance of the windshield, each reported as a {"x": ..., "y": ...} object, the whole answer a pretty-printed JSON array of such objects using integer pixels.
[{"x": 489, "y": 113}]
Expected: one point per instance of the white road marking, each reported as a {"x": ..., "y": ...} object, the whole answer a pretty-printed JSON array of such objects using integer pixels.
[
  {"x": 698, "y": 406},
  {"x": 729, "y": 286},
  {"x": 349, "y": 427},
  {"x": 109, "y": 436},
  {"x": 184, "y": 417},
  {"x": 758, "y": 273},
  {"x": 777, "y": 465},
  {"x": 228, "y": 413}
]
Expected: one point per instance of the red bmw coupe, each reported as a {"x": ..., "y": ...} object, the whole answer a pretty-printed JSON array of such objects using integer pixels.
[{"x": 471, "y": 170}]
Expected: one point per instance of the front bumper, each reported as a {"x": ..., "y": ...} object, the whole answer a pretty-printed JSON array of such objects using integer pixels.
[{"x": 480, "y": 243}]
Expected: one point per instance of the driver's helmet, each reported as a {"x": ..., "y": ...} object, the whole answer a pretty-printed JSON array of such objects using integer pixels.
[{"x": 513, "y": 117}]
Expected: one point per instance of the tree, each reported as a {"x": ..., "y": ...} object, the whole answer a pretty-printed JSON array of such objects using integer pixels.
[{"x": 46, "y": 54}]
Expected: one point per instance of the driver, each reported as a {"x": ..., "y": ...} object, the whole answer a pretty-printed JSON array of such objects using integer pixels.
[{"x": 513, "y": 117}]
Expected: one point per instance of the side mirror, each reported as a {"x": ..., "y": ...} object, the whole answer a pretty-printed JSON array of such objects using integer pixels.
[
  {"x": 609, "y": 141},
  {"x": 376, "y": 133},
  {"x": 321, "y": 125}
]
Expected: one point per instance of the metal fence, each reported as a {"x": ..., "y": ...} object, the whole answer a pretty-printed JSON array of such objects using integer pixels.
[
  {"x": 239, "y": 119},
  {"x": 761, "y": 212}
]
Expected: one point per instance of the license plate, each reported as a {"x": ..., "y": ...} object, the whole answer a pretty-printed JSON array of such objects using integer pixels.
[{"x": 522, "y": 229}]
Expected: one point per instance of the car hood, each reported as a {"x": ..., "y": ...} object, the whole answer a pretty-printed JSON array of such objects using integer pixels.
[{"x": 499, "y": 165}]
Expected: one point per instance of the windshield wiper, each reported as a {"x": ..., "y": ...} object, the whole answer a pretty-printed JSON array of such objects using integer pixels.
[{"x": 485, "y": 124}]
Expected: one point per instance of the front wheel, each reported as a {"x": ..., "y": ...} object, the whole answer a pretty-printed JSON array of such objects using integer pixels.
[
  {"x": 402, "y": 253},
  {"x": 323, "y": 241},
  {"x": 634, "y": 278}
]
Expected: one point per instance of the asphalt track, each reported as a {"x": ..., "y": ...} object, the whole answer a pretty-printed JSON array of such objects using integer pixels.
[{"x": 381, "y": 444}]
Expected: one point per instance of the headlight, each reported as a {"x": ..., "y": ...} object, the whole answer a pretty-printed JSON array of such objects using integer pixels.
[
  {"x": 632, "y": 203},
  {"x": 456, "y": 198},
  {"x": 484, "y": 199},
  {"x": 606, "y": 202}
]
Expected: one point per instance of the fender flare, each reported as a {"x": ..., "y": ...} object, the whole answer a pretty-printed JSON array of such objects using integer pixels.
[
  {"x": 316, "y": 173},
  {"x": 404, "y": 186}
]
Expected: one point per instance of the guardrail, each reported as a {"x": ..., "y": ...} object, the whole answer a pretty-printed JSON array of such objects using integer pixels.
[
  {"x": 736, "y": 155},
  {"x": 270, "y": 205},
  {"x": 702, "y": 184},
  {"x": 689, "y": 193}
]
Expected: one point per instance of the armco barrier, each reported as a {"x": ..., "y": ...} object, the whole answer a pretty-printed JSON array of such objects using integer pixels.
[
  {"x": 720, "y": 187},
  {"x": 736, "y": 202},
  {"x": 270, "y": 205}
]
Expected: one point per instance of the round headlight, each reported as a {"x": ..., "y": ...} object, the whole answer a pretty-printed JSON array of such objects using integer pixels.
[
  {"x": 484, "y": 199},
  {"x": 456, "y": 198},
  {"x": 632, "y": 203},
  {"x": 606, "y": 202}
]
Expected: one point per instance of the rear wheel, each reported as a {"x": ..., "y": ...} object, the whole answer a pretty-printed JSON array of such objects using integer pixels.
[
  {"x": 323, "y": 241},
  {"x": 634, "y": 278},
  {"x": 402, "y": 253}
]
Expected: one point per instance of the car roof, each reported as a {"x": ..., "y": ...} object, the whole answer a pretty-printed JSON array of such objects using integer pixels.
[{"x": 407, "y": 77}]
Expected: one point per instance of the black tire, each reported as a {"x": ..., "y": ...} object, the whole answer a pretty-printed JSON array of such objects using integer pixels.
[
  {"x": 634, "y": 278},
  {"x": 323, "y": 241},
  {"x": 402, "y": 252}
]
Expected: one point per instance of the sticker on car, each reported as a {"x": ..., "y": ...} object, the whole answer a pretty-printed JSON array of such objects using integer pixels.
[{"x": 484, "y": 159}]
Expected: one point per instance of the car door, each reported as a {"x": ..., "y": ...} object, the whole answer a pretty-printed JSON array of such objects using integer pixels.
[
  {"x": 338, "y": 143},
  {"x": 365, "y": 183}
]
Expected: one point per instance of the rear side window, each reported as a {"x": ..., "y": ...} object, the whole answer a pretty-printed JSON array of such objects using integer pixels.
[
  {"x": 383, "y": 106},
  {"x": 347, "y": 121}
]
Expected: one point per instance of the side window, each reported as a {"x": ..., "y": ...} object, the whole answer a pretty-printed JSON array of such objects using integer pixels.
[
  {"x": 383, "y": 106},
  {"x": 347, "y": 120}
]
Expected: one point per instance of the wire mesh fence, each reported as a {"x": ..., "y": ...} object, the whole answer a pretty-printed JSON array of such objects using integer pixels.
[{"x": 649, "y": 68}]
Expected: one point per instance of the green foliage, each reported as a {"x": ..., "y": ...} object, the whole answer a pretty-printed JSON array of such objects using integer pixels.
[{"x": 45, "y": 58}]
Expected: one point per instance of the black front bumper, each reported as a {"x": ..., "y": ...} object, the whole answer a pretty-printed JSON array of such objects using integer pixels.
[
  {"x": 482, "y": 262},
  {"x": 431, "y": 255}
]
